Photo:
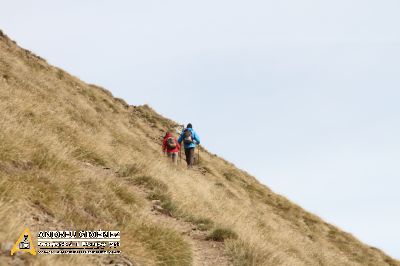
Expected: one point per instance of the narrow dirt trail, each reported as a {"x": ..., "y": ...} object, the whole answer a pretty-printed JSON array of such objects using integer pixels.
[{"x": 204, "y": 252}]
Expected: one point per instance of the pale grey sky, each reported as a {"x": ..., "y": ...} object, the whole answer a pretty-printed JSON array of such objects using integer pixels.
[{"x": 311, "y": 87}]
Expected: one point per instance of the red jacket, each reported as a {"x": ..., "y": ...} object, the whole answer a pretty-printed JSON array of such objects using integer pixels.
[{"x": 165, "y": 146}]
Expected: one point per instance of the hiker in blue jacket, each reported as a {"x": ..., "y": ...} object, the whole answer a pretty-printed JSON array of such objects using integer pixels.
[{"x": 190, "y": 140}]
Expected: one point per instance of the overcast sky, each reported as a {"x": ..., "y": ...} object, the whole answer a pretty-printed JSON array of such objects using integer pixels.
[{"x": 302, "y": 94}]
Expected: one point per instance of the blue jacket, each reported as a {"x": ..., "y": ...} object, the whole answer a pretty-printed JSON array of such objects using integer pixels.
[{"x": 195, "y": 137}]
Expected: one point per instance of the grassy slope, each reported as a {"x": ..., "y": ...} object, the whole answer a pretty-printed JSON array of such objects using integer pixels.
[{"x": 53, "y": 125}]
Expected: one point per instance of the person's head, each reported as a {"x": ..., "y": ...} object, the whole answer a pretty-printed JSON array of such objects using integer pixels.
[{"x": 189, "y": 125}]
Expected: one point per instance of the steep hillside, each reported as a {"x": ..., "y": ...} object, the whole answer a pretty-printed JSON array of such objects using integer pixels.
[{"x": 74, "y": 157}]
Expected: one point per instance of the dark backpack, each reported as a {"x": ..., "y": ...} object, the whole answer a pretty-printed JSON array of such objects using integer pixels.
[
  {"x": 187, "y": 137},
  {"x": 171, "y": 143}
]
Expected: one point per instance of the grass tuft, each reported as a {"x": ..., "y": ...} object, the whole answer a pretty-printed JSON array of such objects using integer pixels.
[
  {"x": 125, "y": 195},
  {"x": 129, "y": 170},
  {"x": 245, "y": 254},
  {"x": 222, "y": 234},
  {"x": 167, "y": 246},
  {"x": 150, "y": 183},
  {"x": 203, "y": 224}
]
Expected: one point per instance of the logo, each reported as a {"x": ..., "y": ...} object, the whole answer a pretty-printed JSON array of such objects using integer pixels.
[{"x": 24, "y": 243}]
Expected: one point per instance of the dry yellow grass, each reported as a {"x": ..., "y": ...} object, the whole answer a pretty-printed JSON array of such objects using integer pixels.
[{"x": 58, "y": 134}]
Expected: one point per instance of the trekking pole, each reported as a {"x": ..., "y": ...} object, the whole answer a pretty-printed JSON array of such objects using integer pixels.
[
  {"x": 180, "y": 155},
  {"x": 198, "y": 155},
  {"x": 180, "y": 150}
]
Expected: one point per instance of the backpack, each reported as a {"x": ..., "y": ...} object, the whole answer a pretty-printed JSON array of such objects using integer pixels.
[
  {"x": 171, "y": 144},
  {"x": 188, "y": 137}
]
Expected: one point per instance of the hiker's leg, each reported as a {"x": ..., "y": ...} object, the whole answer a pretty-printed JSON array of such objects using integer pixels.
[
  {"x": 191, "y": 156},
  {"x": 172, "y": 156},
  {"x": 175, "y": 158},
  {"x": 187, "y": 154}
]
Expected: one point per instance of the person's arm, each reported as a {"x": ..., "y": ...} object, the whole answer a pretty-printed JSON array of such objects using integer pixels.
[
  {"x": 196, "y": 138},
  {"x": 180, "y": 138},
  {"x": 164, "y": 146},
  {"x": 178, "y": 145}
]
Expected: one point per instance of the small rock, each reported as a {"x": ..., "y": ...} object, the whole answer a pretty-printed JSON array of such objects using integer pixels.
[
  {"x": 158, "y": 208},
  {"x": 156, "y": 202}
]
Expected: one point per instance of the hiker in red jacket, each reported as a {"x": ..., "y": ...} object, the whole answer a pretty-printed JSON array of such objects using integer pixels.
[{"x": 171, "y": 147}]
